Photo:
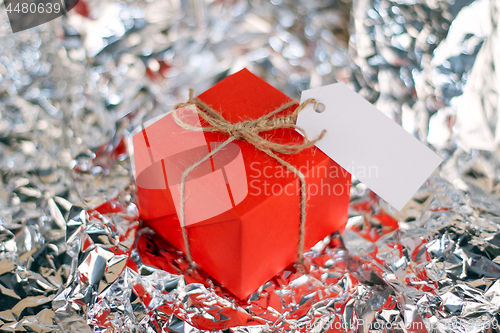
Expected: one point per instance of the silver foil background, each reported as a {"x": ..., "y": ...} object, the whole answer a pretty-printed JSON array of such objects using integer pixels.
[{"x": 72, "y": 256}]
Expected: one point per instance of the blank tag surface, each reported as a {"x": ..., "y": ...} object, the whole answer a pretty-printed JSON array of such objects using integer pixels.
[{"x": 368, "y": 144}]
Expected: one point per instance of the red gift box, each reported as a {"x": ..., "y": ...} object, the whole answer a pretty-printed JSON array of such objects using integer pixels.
[{"x": 242, "y": 206}]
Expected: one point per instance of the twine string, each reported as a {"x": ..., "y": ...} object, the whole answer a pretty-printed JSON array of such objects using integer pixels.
[{"x": 249, "y": 131}]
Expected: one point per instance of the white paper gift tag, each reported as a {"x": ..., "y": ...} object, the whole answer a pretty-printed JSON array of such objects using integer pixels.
[{"x": 368, "y": 144}]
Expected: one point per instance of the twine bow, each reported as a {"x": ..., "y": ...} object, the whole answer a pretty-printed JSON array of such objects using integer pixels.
[{"x": 249, "y": 131}]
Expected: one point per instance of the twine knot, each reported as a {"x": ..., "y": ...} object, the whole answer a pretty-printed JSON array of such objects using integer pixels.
[
  {"x": 238, "y": 130},
  {"x": 249, "y": 130}
]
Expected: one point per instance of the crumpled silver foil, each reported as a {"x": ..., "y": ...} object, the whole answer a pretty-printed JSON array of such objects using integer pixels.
[{"x": 73, "y": 255}]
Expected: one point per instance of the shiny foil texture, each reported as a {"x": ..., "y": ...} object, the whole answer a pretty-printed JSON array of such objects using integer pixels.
[{"x": 73, "y": 254}]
